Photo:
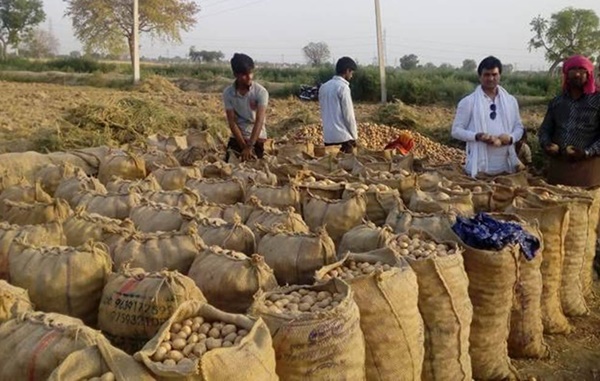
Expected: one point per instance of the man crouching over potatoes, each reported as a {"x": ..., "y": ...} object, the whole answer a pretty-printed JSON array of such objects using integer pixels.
[{"x": 488, "y": 120}]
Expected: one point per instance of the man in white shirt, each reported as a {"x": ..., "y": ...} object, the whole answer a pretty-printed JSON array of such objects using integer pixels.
[
  {"x": 488, "y": 120},
  {"x": 337, "y": 110}
]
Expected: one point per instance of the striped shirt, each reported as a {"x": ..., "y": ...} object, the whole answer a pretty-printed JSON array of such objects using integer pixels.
[{"x": 573, "y": 122}]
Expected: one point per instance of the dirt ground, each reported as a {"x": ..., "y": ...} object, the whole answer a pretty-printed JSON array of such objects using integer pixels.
[{"x": 28, "y": 108}]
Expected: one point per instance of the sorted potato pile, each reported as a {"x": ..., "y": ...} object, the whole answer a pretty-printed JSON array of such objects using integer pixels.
[
  {"x": 193, "y": 337},
  {"x": 352, "y": 269},
  {"x": 370, "y": 188},
  {"x": 416, "y": 246},
  {"x": 376, "y": 136},
  {"x": 302, "y": 301},
  {"x": 108, "y": 376}
]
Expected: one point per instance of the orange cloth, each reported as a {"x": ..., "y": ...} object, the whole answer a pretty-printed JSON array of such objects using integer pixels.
[{"x": 403, "y": 143}]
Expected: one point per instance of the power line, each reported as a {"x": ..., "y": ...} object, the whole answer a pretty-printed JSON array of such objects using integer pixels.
[{"x": 230, "y": 9}]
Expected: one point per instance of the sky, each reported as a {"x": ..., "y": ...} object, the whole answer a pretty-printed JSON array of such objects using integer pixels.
[{"x": 437, "y": 31}]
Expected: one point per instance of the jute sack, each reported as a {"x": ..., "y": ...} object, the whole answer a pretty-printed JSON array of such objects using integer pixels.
[
  {"x": 402, "y": 221},
  {"x": 190, "y": 156},
  {"x": 517, "y": 179},
  {"x": 381, "y": 200},
  {"x": 47, "y": 234},
  {"x": 481, "y": 193},
  {"x": 37, "y": 212},
  {"x": 111, "y": 205},
  {"x": 229, "y": 213},
  {"x": 74, "y": 188},
  {"x": 122, "y": 186},
  {"x": 92, "y": 157},
  {"x": 102, "y": 361},
  {"x": 337, "y": 216},
  {"x": 8, "y": 180},
  {"x": 363, "y": 238},
  {"x": 389, "y": 315},
  {"x": 154, "y": 159},
  {"x": 250, "y": 175},
  {"x": 442, "y": 201},
  {"x": 52, "y": 175},
  {"x": 554, "y": 222},
  {"x": 176, "y": 177},
  {"x": 151, "y": 217},
  {"x": 62, "y": 279},
  {"x": 202, "y": 139},
  {"x": 296, "y": 149},
  {"x": 272, "y": 217},
  {"x": 174, "y": 251},
  {"x": 447, "y": 313},
  {"x": 82, "y": 226},
  {"x": 183, "y": 198},
  {"x": 277, "y": 197},
  {"x": 76, "y": 160},
  {"x": 325, "y": 188},
  {"x": 492, "y": 279},
  {"x": 323, "y": 345},
  {"x": 167, "y": 143},
  {"x": 294, "y": 257},
  {"x": 23, "y": 193},
  {"x": 526, "y": 338},
  {"x": 404, "y": 181},
  {"x": 231, "y": 236},
  {"x": 229, "y": 279},
  {"x": 135, "y": 304},
  {"x": 253, "y": 359},
  {"x": 429, "y": 181},
  {"x": 216, "y": 169},
  {"x": 576, "y": 242},
  {"x": 23, "y": 164},
  {"x": 121, "y": 164},
  {"x": 286, "y": 171},
  {"x": 218, "y": 191},
  {"x": 34, "y": 344},
  {"x": 14, "y": 301}
]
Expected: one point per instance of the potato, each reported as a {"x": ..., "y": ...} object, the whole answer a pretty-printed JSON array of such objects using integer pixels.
[
  {"x": 227, "y": 344},
  {"x": 179, "y": 343},
  {"x": 242, "y": 332},
  {"x": 176, "y": 327},
  {"x": 214, "y": 333},
  {"x": 170, "y": 362},
  {"x": 212, "y": 343},
  {"x": 175, "y": 355},
  {"x": 230, "y": 337},
  {"x": 188, "y": 349},
  {"x": 194, "y": 338},
  {"x": 160, "y": 354},
  {"x": 186, "y": 362},
  {"x": 199, "y": 349}
]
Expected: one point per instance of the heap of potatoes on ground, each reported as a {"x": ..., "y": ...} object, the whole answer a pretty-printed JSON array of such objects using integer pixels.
[{"x": 162, "y": 261}]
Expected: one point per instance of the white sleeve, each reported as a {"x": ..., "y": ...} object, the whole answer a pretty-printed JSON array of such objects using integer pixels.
[
  {"x": 348, "y": 112},
  {"x": 460, "y": 126},
  {"x": 517, "y": 128}
]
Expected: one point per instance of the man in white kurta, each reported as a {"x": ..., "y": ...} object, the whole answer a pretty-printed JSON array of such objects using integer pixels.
[{"x": 488, "y": 120}]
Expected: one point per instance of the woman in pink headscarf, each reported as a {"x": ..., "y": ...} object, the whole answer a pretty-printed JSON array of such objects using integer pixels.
[{"x": 570, "y": 132}]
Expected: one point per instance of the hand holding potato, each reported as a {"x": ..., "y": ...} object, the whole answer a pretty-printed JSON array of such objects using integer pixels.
[
  {"x": 505, "y": 139},
  {"x": 552, "y": 149}
]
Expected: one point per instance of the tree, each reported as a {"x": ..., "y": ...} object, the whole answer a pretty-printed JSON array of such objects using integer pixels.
[
  {"x": 469, "y": 65},
  {"x": 205, "y": 55},
  {"x": 17, "y": 20},
  {"x": 507, "y": 68},
  {"x": 568, "y": 32},
  {"x": 316, "y": 53},
  {"x": 429, "y": 66},
  {"x": 409, "y": 62},
  {"x": 75, "y": 54},
  {"x": 107, "y": 25},
  {"x": 41, "y": 43}
]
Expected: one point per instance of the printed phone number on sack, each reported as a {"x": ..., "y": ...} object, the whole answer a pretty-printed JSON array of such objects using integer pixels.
[
  {"x": 144, "y": 308},
  {"x": 124, "y": 318}
]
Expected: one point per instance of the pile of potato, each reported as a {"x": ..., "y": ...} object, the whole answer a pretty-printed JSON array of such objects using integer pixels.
[
  {"x": 108, "y": 376},
  {"x": 549, "y": 196},
  {"x": 313, "y": 182},
  {"x": 369, "y": 188},
  {"x": 302, "y": 301},
  {"x": 417, "y": 247},
  {"x": 389, "y": 175},
  {"x": 352, "y": 269},
  {"x": 193, "y": 337}
]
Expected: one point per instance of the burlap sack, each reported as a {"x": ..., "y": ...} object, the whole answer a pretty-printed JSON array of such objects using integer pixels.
[
  {"x": 286, "y": 171},
  {"x": 435, "y": 224},
  {"x": 33, "y": 345},
  {"x": 47, "y": 234},
  {"x": 229, "y": 279},
  {"x": 253, "y": 359},
  {"x": 325, "y": 188},
  {"x": 481, "y": 193},
  {"x": 122, "y": 186},
  {"x": 216, "y": 169},
  {"x": 74, "y": 188},
  {"x": 404, "y": 181},
  {"x": 363, "y": 238},
  {"x": 502, "y": 196},
  {"x": 14, "y": 301},
  {"x": 83, "y": 226},
  {"x": 492, "y": 279},
  {"x": 389, "y": 316},
  {"x": 381, "y": 200},
  {"x": 270, "y": 218},
  {"x": 576, "y": 242},
  {"x": 276, "y": 197},
  {"x": 228, "y": 235},
  {"x": 100, "y": 360},
  {"x": 447, "y": 314},
  {"x": 516, "y": 180},
  {"x": 554, "y": 222},
  {"x": 111, "y": 205},
  {"x": 23, "y": 193},
  {"x": 174, "y": 251},
  {"x": 229, "y": 213},
  {"x": 183, "y": 198},
  {"x": 154, "y": 159},
  {"x": 135, "y": 304},
  {"x": 8, "y": 179},
  {"x": 151, "y": 217},
  {"x": 325, "y": 345},
  {"x": 175, "y": 178},
  {"x": 23, "y": 164},
  {"x": 218, "y": 191},
  {"x": 63, "y": 279},
  {"x": 337, "y": 216},
  {"x": 294, "y": 257},
  {"x": 429, "y": 181},
  {"x": 36, "y": 213},
  {"x": 167, "y": 143},
  {"x": 295, "y": 149},
  {"x": 526, "y": 338},
  {"x": 442, "y": 201},
  {"x": 91, "y": 156},
  {"x": 202, "y": 139},
  {"x": 52, "y": 175},
  {"x": 250, "y": 175},
  {"x": 121, "y": 164}
]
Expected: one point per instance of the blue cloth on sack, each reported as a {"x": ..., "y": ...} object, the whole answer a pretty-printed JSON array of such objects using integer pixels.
[{"x": 486, "y": 233}]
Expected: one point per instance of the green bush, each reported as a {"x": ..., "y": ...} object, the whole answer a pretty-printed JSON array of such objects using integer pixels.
[{"x": 80, "y": 65}]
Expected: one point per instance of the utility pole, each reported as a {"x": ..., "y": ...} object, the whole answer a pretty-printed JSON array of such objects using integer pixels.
[
  {"x": 380, "y": 53},
  {"x": 136, "y": 42}
]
